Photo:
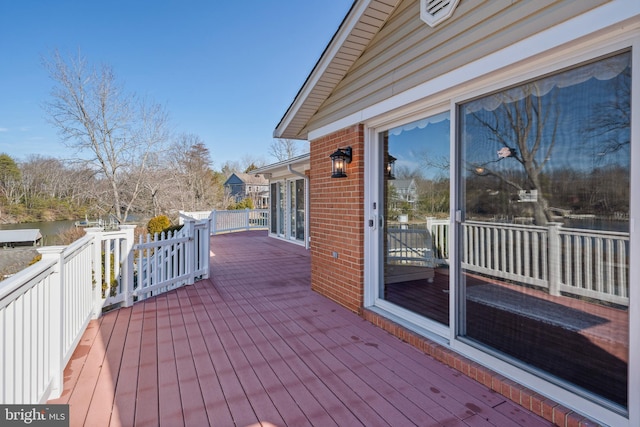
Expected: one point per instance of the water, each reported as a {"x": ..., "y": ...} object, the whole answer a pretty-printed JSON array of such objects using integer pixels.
[{"x": 48, "y": 229}]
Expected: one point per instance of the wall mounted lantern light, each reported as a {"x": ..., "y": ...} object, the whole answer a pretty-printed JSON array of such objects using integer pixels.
[
  {"x": 391, "y": 167},
  {"x": 339, "y": 161}
]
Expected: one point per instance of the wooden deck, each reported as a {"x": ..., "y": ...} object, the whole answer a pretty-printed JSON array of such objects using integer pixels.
[{"x": 255, "y": 346}]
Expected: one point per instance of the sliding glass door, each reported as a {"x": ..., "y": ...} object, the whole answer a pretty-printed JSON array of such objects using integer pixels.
[
  {"x": 415, "y": 200},
  {"x": 287, "y": 200},
  {"x": 544, "y": 233}
]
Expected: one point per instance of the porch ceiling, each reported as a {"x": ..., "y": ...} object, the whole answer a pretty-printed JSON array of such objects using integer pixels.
[{"x": 359, "y": 27}]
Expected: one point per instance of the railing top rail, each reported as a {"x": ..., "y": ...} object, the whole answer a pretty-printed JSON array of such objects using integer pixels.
[
  {"x": 159, "y": 243},
  {"x": 604, "y": 233},
  {"x": 184, "y": 215},
  {"x": 76, "y": 246},
  {"x": 506, "y": 225},
  {"x": 16, "y": 285}
]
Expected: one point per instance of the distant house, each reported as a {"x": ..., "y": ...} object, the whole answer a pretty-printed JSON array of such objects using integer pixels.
[
  {"x": 240, "y": 186},
  {"x": 405, "y": 191},
  {"x": 26, "y": 237}
]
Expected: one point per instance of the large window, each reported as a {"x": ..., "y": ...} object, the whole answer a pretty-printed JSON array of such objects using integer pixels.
[{"x": 544, "y": 237}]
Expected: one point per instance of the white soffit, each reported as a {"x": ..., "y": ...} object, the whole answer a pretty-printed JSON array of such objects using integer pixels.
[
  {"x": 435, "y": 11},
  {"x": 360, "y": 26}
]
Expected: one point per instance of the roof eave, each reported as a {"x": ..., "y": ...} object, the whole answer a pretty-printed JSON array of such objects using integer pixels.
[
  {"x": 285, "y": 128},
  {"x": 294, "y": 161}
]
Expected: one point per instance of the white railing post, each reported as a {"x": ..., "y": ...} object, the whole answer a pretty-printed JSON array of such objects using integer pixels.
[
  {"x": 246, "y": 217},
  {"x": 207, "y": 249},
  {"x": 56, "y": 322},
  {"x": 555, "y": 257},
  {"x": 96, "y": 269},
  {"x": 126, "y": 275},
  {"x": 190, "y": 261},
  {"x": 213, "y": 222}
]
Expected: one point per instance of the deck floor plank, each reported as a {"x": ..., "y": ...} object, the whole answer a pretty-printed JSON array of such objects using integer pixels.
[
  {"x": 306, "y": 405},
  {"x": 81, "y": 398},
  {"x": 125, "y": 394},
  {"x": 253, "y": 345},
  {"x": 76, "y": 362},
  {"x": 169, "y": 398},
  {"x": 147, "y": 409},
  {"x": 103, "y": 397}
]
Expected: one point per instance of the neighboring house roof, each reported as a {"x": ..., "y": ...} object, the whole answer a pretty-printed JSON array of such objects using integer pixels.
[
  {"x": 298, "y": 164},
  {"x": 245, "y": 178},
  {"x": 404, "y": 184},
  {"x": 30, "y": 235},
  {"x": 359, "y": 27}
]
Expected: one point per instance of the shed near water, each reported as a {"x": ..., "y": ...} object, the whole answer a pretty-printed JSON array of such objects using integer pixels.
[{"x": 24, "y": 237}]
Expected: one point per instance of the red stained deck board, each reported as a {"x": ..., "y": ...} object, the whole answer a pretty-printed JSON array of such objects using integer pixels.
[
  {"x": 81, "y": 397},
  {"x": 125, "y": 393},
  {"x": 365, "y": 403},
  {"x": 146, "y": 413},
  {"x": 254, "y": 344},
  {"x": 197, "y": 367},
  {"x": 102, "y": 400},
  {"x": 169, "y": 398}
]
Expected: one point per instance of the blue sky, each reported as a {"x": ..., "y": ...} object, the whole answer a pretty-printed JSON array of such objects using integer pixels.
[{"x": 225, "y": 71}]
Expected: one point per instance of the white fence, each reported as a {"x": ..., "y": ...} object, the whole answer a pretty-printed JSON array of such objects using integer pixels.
[
  {"x": 233, "y": 220},
  {"x": 45, "y": 308},
  {"x": 588, "y": 263},
  {"x": 170, "y": 261}
]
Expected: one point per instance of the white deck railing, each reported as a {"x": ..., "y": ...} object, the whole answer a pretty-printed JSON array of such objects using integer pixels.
[
  {"x": 45, "y": 308},
  {"x": 588, "y": 263},
  {"x": 233, "y": 220}
]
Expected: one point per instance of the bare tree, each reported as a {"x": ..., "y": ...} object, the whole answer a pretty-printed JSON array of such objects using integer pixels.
[
  {"x": 191, "y": 166},
  {"x": 284, "y": 149},
  {"x": 113, "y": 131},
  {"x": 525, "y": 129}
]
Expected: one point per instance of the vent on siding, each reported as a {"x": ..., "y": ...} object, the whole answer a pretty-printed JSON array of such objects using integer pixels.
[{"x": 435, "y": 11}]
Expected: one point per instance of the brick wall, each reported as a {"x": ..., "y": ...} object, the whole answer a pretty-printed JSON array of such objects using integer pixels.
[{"x": 336, "y": 221}]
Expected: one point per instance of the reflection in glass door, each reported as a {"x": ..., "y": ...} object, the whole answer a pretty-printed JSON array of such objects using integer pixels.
[
  {"x": 296, "y": 209},
  {"x": 415, "y": 197},
  {"x": 544, "y": 238}
]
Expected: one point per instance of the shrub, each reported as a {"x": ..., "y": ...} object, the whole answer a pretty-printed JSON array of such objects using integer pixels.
[
  {"x": 244, "y": 204},
  {"x": 35, "y": 259},
  {"x": 109, "y": 289},
  {"x": 158, "y": 224},
  {"x": 70, "y": 235}
]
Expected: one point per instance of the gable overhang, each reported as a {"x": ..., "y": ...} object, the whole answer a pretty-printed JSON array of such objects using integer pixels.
[
  {"x": 293, "y": 166},
  {"x": 363, "y": 21}
]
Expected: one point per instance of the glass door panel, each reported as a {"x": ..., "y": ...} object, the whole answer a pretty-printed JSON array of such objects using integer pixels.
[
  {"x": 544, "y": 239},
  {"x": 273, "y": 201},
  {"x": 292, "y": 210},
  {"x": 299, "y": 210},
  {"x": 412, "y": 251},
  {"x": 282, "y": 203}
]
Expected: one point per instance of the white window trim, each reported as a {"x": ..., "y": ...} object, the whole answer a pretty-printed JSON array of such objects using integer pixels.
[{"x": 395, "y": 111}]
